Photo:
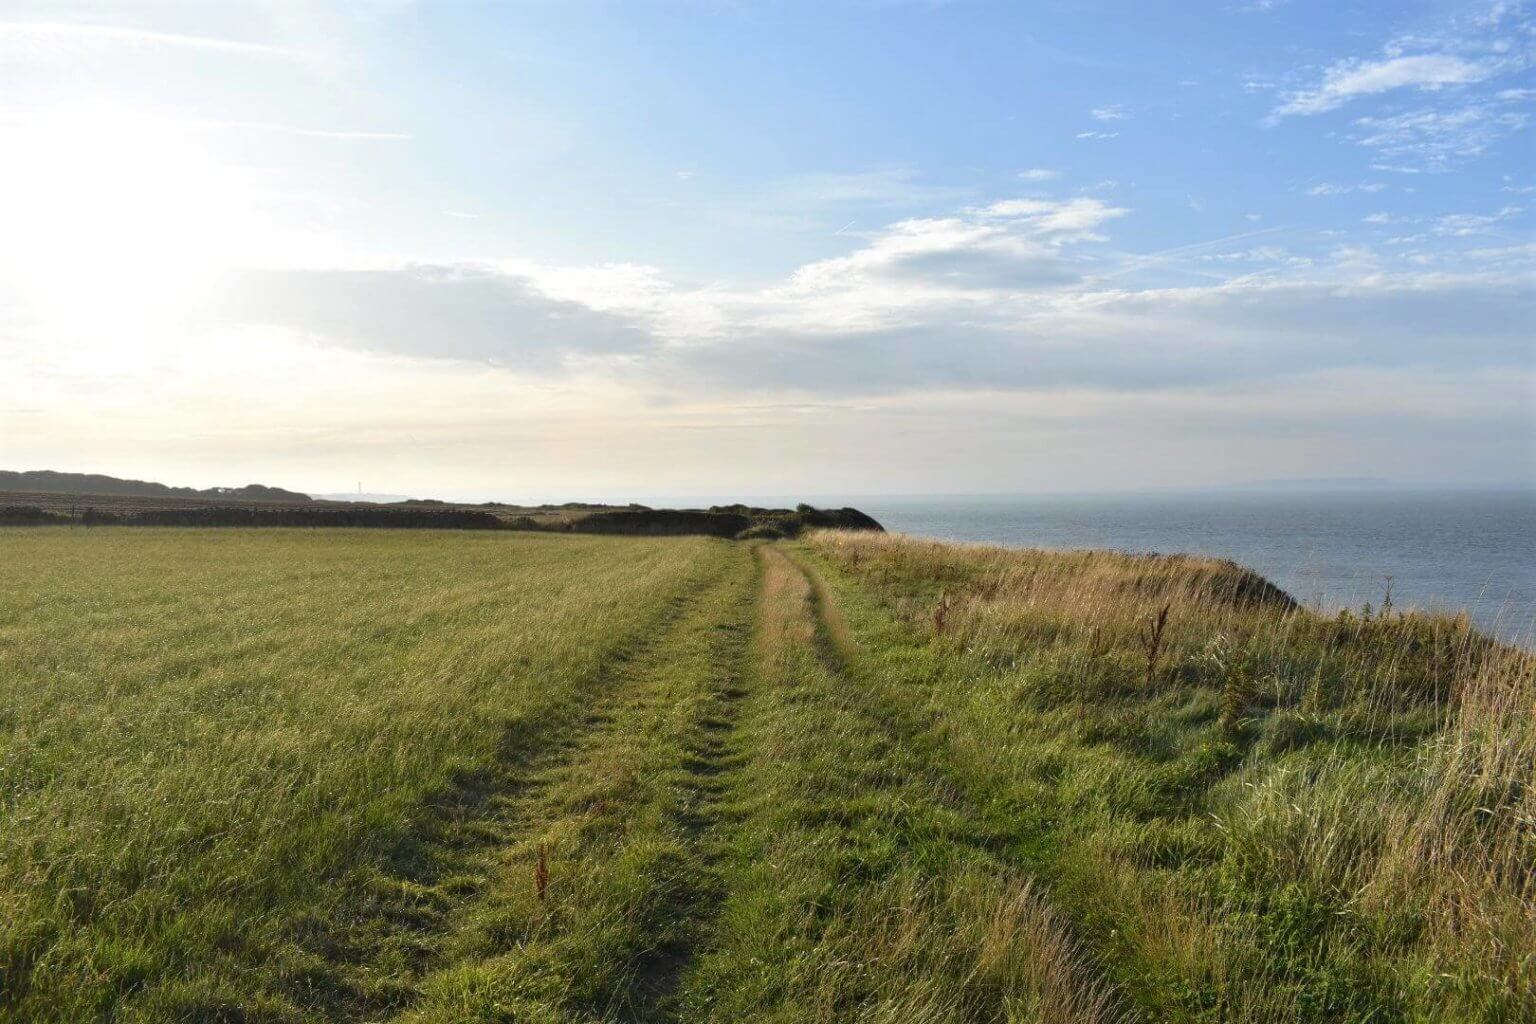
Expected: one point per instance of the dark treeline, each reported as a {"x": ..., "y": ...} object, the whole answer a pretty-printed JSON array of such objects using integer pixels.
[
  {"x": 734, "y": 521},
  {"x": 234, "y": 515},
  {"x": 662, "y": 523}
]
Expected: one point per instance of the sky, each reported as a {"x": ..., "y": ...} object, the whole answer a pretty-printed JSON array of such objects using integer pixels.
[{"x": 573, "y": 250}]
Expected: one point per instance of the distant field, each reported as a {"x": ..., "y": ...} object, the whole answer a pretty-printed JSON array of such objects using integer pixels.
[{"x": 436, "y": 776}]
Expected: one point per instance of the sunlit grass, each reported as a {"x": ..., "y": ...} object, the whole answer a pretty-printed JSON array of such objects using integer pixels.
[
  {"x": 1301, "y": 817},
  {"x": 292, "y": 776},
  {"x": 220, "y": 749}
]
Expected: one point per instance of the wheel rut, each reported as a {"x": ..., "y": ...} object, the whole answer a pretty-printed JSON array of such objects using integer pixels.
[
  {"x": 416, "y": 905},
  {"x": 703, "y": 821},
  {"x": 837, "y": 650},
  {"x": 586, "y": 888}
]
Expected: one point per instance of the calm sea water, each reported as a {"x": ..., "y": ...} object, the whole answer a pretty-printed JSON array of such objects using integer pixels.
[{"x": 1445, "y": 550}]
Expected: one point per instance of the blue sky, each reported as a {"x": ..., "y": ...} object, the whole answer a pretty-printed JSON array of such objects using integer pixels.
[{"x": 593, "y": 249}]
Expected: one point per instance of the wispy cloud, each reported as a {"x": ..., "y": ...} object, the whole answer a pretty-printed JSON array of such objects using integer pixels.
[
  {"x": 1350, "y": 79},
  {"x": 1271, "y": 255},
  {"x": 1436, "y": 140},
  {"x": 1039, "y": 174},
  {"x": 47, "y": 38},
  {"x": 1463, "y": 225},
  {"x": 1072, "y": 219},
  {"x": 884, "y": 187},
  {"x": 1459, "y": 78},
  {"x": 1331, "y": 189},
  {"x": 1111, "y": 112}
]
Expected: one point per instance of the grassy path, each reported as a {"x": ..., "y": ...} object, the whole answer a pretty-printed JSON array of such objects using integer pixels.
[
  {"x": 585, "y": 891},
  {"x": 860, "y": 887},
  {"x": 738, "y": 827}
]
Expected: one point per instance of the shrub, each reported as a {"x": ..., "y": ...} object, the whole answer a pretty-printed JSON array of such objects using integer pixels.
[
  {"x": 762, "y": 531},
  {"x": 28, "y": 515}
]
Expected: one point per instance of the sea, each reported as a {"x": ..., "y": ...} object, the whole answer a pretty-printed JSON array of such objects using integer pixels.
[{"x": 1444, "y": 550}]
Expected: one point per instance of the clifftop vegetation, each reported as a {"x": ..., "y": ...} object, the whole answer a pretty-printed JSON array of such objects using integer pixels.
[{"x": 298, "y": 776}]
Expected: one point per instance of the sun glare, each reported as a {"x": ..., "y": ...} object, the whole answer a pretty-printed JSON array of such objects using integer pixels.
[{"x": 115, "y": 222}]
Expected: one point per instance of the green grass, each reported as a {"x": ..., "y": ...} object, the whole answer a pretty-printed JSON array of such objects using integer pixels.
[
  {"x": 227, "y": 757},
  {"x": 1302, "y": 817},
  {"x": 333, "y": 775}
]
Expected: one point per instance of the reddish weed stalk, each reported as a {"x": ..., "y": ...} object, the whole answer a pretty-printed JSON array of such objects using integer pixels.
[
  {"x": 1152, "y": 641},
  {"x": 541, "y": 873}
]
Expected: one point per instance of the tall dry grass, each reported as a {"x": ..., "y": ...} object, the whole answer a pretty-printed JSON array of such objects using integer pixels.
[
  {"x": 860, "y": 888},
  {"x": 1353, "y": 789}
]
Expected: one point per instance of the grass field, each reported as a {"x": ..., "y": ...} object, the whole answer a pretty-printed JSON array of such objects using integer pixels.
[{"x": 334, "y": 775}]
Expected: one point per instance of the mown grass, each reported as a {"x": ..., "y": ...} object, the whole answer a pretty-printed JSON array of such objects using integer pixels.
[
  {"x": 1300, "y": 816},
  {"x": 225, "y": 756}
]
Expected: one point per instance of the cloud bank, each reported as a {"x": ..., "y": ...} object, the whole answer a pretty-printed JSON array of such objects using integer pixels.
[{"x": 1019, "y": 294}]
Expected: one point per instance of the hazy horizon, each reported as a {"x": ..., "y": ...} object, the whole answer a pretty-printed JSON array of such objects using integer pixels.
[{"x": 601, "y": 250}]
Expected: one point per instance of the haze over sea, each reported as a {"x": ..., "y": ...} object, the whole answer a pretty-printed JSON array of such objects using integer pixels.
[{"x": 1440, "y": 549}]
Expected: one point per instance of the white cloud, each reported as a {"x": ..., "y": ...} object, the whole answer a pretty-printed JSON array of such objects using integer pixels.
[
  {"x": 1465, "y": 224},
  {"x": 1098, "y": 135},
  {"x": 1072, "y": 219},
  {"x": 999, "y": 325},
  {"x": 1111, "y": 112},
  {"x": 1250, "y": 329},
  {"x": 1436, "y": 140},
  {"x": 897, "y": 186},
  {"x": 1331, "y": 189},
  {"x": 1349, "y": 79},
  {"x": 1271, "y": 255},
  {"x": 460, "y": 311},
  {"x": 1039, "y": 174},
  {"x": 997, "y": 297}
]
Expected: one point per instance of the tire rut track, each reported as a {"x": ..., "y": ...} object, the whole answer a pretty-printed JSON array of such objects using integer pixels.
[
  {"x": 438, "y": 878},
  {"x": 658, "y": 719},
  {"x": 837, "y": 649},
  {"x": 713, "y": 755}
]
